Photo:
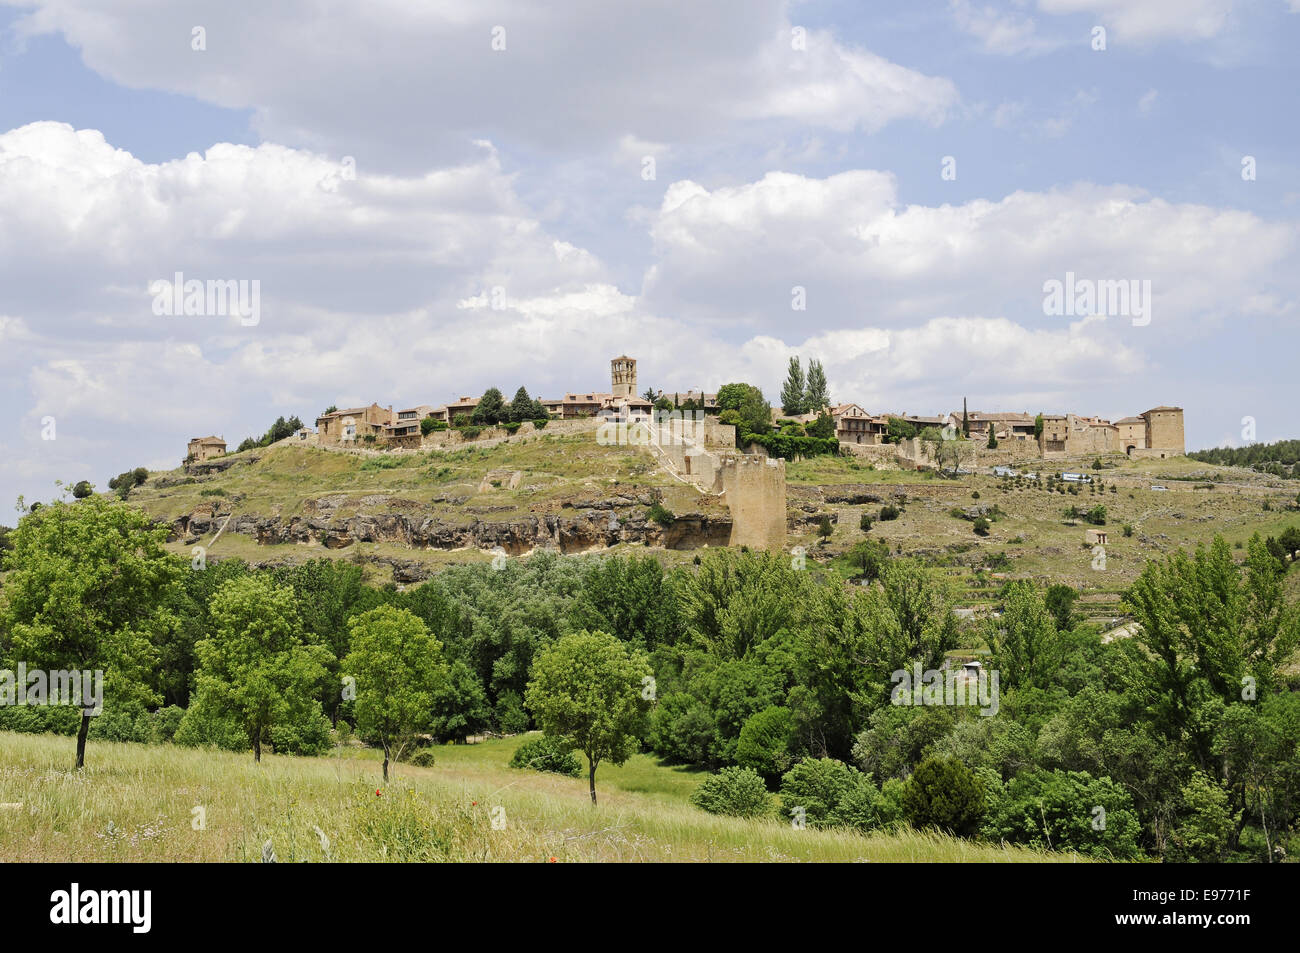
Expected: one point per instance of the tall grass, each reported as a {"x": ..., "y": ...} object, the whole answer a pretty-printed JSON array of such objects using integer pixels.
[{"x": 138, "y": 803}]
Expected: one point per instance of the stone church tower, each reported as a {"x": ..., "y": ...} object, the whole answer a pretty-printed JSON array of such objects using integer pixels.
[{"x": 622, "y": 376}]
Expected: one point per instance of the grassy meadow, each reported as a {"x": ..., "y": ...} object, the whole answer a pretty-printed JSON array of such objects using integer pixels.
[{"x": 137, "y": 803}]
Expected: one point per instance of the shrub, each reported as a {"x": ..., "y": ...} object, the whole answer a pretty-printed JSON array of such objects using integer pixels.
[
  {"x": 660, "y": 514},
  {"x": 470, "y": 433},
  {"x": 547, "y": 754},
  {"x": 765, "y": 741},
  {"x": 890, "y": 512},
  {"x": 824, "y": 528},
  {"x": 864, "y": 522},
  {"x": 212, "y": 491},
  {"x": 981, "y": 527},
  {"x": 429, "y": 424},
  {"x": 735, "y": 791},
  {"x": 975, "y": 495},
  {"x": 202, "y": 727},
  {"x": 309, "y": 735},
  {"x": 82, "y": 490},
  {"x": 820, "y": 786},
  {"x": 945, "y": 794},
  {"x": 1128, "y": 529},
  {"x": 511, "y": 427},
  {"x": 540, "y": 423},
  {"x": 1057, "y": 809},
  {"x": 422, "y": 758}
]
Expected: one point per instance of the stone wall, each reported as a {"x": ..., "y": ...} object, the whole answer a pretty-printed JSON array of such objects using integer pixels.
[{"x": 754, "y": 490}]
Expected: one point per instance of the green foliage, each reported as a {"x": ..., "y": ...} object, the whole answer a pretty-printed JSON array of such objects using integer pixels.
[
  {"x": 982, "y": 526},
  {"x": 430, "y": 424},
  {"x": 830, "y": 794},
  {"x": 1059, "y": 601},
  {"x": 890, "y": 512},
  {"x": 735, "y": 792},
  {"x": 864, "y": 522},
  {"x": 767, "y": 742},
  {"x": 547, "y": 754},
  {"x": 1025, "y": 645},
  {"x": 87, "y": 590},
  {"x": 793, "y": 399},
  {"x": 586, "y": 689},
  {"x": 254, "y": 666},
  {"x": 897, "y": 430},
  {"x": 398, "y": 668},
  {"x": 658, "y": 513},
  {"x": 1066, "y": 810},
  {"x": 1205, "y": 822},
  {"x": 82, "y": 489},
  {"x": 491, "y": 409},
  {"x": 943, "y": 793},
  {"x": 817, "y": 395}
]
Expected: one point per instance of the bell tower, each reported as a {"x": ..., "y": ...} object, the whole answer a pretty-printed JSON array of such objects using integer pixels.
[{"x": 622, "y": 376}]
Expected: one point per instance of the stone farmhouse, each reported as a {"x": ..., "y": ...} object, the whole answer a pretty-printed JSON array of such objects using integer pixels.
[
  {"x": 204, "y": 448},
  {"x": 1157, "y": 432}
]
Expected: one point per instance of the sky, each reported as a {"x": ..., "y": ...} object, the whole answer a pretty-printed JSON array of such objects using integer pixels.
[{"x": 437, "y": 197}]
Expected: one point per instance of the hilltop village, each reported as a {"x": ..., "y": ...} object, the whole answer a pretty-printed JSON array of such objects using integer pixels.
[{"x": 1157, "y": 432}]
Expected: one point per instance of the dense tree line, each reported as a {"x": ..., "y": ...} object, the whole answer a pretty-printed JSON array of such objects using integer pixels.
[
  {"x": 1280, "y": 459},
  {"x": 1181, "y": 742}
]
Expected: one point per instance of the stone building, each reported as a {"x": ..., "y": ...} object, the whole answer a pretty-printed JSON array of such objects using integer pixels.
[
  {"x": 1154, "y": 433},
  {"x": 204, "y": 448},
  {"x": 352, "y": 425}
]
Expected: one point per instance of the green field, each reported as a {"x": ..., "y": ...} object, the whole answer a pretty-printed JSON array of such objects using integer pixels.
[{"x": 137, "y": 803}]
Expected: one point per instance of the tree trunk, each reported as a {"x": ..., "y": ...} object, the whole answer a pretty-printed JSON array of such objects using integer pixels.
[
  {"x": 591, "y": 780},
  {"x": 257, "y": 746},
  {"x": 81, "y": 740},
  {"x": 385, "y": 760}
]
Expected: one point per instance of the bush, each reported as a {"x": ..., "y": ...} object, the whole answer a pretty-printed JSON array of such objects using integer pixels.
[
  {"x": 212, "y": 491},
  {"x": 765, "y": 742},
  {"x": 864, "y": 522},
  {"x": 1128, "y": 529},
  {"x": 511, "y": 427},
  {"x": 165, "y": 722},
  {"x": 547, "y": 754},
  {"x": 982, "y": 526},
  {"x": 201, "y": 727},
  {"x": 945, "y": 794},
  {"x": 735, "y": 791},
  {"x": 309, "y": 735},
  {"x": 890, "y": 512},
  {"x": 541, "y": 422},
  {"x": 422, "y": 758},
  {"x": 430, "y": 424},
  {"x": 1059, "y": 810},
  {"x": 824, "y": 788},
  {"x": 82, "y": 490},
  {"x": 470, "y": 433},
  {"x": 660, "y": 514}
]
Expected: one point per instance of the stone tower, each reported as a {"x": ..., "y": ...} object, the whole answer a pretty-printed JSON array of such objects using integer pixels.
[{"x": 622, "y": 376}]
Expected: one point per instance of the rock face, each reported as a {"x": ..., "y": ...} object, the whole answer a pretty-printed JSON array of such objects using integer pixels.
[{"x": 594, "y": 527}]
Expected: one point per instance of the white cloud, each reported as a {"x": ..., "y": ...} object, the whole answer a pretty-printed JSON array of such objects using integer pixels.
[
  {"x": 1143, "y": 21},
  {"x": 389, "y": 81}
]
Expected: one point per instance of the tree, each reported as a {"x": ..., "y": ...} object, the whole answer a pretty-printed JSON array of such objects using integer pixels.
[
  {"x": 731, "y": 396},
  {"x": 1038, "y": 427},
  {"x": 521, "y": 408},
  {"x": 823, "y": 427},
  {"x": 755, "y": 412},
  {"x": 87, "y": 591},
  {"x": 1026, "y": 648},
  {"x": 965, "y": 420},
  {"x": 765, "y": 742},
  {"x": 1060, "y": 600},
  {"x": 82, "y": 489},
  {"x": 816, "y": 393},
  {"x": 491, "y": 409},
  {"x": 460, "y": 706},
  {"x": 793, "y": 398},
  {"x": 993, "y": 439},
  {"x": 255, "y": 667},
  {"x": 586, "y": 689},
  {"x": 944, "y": 793},
  {"x": 398, "y": 668}
]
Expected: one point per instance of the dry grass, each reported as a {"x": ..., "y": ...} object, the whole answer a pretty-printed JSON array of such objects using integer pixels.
[{"x": 136, "y": 803}]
